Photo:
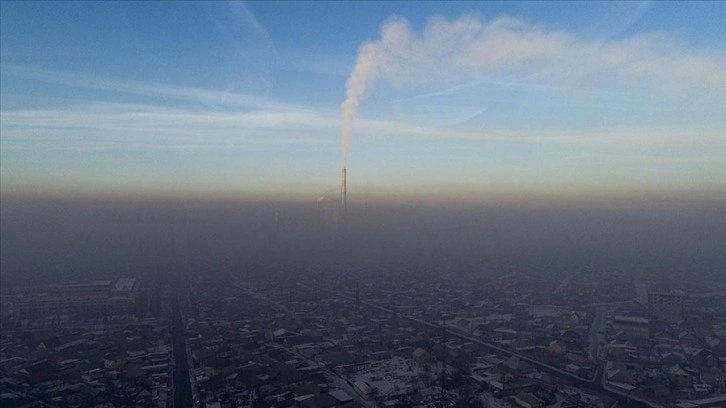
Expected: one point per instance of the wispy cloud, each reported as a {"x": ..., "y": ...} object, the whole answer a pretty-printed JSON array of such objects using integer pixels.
[
  {"x": 218, "y": 119},
  {"x": 252, "y": 24},
  {"x": 130, "y": 126},
  {"x": 107, "y": 125},
  {"x": 611, "y": 138},
  {"x": 127, "y": 86},
  {"x": 619, "y": 17}
]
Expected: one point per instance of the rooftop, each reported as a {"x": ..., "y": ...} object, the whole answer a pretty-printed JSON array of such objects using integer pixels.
[
  {"x": 630, "y": 319},
  {"x": 661, "y": 291},
  {"x": 124, "y": 285}
]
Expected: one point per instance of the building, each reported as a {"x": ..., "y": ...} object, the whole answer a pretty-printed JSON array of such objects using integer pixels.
[
  {"x": 680, "y": 376},
  {"x": 666, "y": 304},
  {"x": 527, "y": 400},
  {"x": 100, "y": 297},
  {"x": 633, "y": 327}
]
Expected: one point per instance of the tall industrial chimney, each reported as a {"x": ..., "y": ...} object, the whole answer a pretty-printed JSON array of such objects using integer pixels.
[{"x": 343, "y": 192}]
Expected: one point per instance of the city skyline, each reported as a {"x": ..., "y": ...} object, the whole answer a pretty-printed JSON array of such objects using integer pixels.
[{"x": 467, "y": 101}]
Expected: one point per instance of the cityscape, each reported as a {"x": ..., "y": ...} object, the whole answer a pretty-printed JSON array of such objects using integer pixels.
[{"x": 215, "y": 337}]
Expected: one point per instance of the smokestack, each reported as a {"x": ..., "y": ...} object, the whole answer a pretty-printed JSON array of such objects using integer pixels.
[{"x": 343, "y": 193}]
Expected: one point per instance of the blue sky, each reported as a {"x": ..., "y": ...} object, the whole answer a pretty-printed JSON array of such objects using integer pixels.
[{"x": 458, "y": 99}]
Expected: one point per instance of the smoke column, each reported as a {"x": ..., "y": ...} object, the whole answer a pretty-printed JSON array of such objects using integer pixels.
[{"x": 361, "y": 77}]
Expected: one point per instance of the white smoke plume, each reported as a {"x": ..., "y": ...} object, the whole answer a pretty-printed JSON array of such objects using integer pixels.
[
  {"x": 361, "y": 77},
  {"x": 471, "y": 48}
]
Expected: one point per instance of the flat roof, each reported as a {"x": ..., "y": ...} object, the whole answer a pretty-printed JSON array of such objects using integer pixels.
[
  {"x": 96, "y": 283},
  {"x": 661, "y": 291},
  {"x": 630, "y": 319}
]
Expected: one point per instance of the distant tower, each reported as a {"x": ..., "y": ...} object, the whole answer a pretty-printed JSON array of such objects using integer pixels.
[{"x": 343, "y": 191}]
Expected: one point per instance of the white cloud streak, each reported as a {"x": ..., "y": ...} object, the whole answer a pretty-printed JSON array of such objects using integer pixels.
[
  {"x": 120, "y": 85},
  {"x": 253, "y": 25},
  {"x": 126, "y": 126},
  {"x": 132, "y": 126},
  {"x": 619, "y": 17}
]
